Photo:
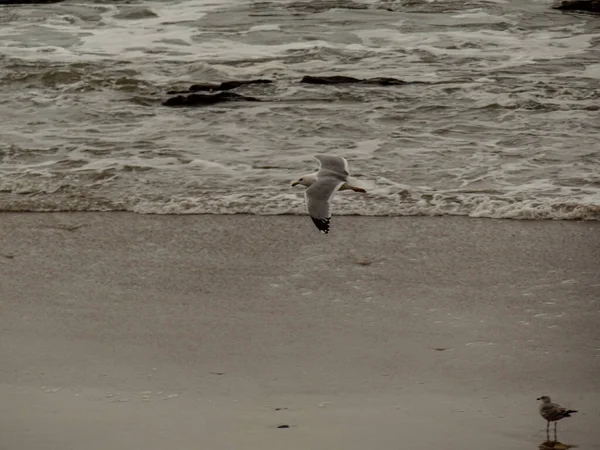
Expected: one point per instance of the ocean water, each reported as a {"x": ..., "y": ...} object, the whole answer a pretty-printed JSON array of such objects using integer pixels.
[{"x": 509, "y": 126}]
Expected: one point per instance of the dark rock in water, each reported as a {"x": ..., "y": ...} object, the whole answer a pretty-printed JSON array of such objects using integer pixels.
[
  {"x": 335, "y": 79},
  {"x": 283, "y": 426},
  {"x": 207, "y": 99},
  {"x": 579, "y": 5},
  {"x": 136, "y": 14},
  {"x": 27, "y": 2},
  {"x": 384, "y": 81},
  {"x": 192, "y": 98},
  {"x": 225, "y": 86},
  {"x": 228, "y": 85},
  {"x": 340, "y": 79},
  {"x": 304, "y": 7}
]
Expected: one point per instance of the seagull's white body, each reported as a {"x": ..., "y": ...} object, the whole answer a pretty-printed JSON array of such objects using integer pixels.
[
  {"x": 322, "y": 185},
  {"x": 351, "y": 184}
]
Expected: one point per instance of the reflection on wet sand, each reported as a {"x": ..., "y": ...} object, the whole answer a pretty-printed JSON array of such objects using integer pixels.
[{"x": 554, "y": 445}]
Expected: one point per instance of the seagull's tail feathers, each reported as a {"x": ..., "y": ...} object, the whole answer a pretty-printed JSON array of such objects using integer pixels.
[{"x": 568, "y": 412}]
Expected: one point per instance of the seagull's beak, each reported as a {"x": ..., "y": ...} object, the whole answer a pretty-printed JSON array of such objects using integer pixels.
[
  {"x": 295, "y": 183},
  {"x": 539, "y": 398}
]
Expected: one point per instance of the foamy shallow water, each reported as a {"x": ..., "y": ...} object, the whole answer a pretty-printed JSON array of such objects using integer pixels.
[{"x": 508, "y": 128}]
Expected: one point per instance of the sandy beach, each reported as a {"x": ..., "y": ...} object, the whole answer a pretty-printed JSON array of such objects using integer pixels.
[{"x": 125, "y": 331}]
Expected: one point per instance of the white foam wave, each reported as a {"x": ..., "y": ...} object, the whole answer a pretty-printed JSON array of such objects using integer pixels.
[
  {"x": 401, "y": 204},
  {"x": 395, "y": 202}
]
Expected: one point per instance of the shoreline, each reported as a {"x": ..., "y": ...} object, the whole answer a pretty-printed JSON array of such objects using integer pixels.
[
  {"x": 304, "y": 214},
  {"x": 345, "y": 206},
  {"x": 147, "y": 331}
]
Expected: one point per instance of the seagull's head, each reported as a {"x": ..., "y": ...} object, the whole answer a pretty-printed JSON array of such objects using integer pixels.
[
  {"x": 544, "y": 398},
  {"x": 306, "y": 180}
]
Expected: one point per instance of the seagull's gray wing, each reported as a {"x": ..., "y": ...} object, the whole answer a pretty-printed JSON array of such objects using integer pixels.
[
  {"x": 318, "y": 196},
  {"x": 553, "y": 411},
  {"x": 333, "y": 165}
]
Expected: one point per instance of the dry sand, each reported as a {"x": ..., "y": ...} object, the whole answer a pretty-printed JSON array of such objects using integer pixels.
[{"x": 123, "y": 331}]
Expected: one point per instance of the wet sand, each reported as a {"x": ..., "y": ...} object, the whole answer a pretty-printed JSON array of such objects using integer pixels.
[{"x": 123, "y": 331}]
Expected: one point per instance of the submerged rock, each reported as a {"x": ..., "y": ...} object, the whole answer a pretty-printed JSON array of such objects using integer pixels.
[
  {"x": 579, "y": 5},
  {"x": 192, "y": 98},
  {"x": 304, "y": 7},
  {"x": 207, "y": 99},
  {"x": 334, "y": 79},
  {"x": 341, "y": 79},
  {"x": 225, "y": 86}
]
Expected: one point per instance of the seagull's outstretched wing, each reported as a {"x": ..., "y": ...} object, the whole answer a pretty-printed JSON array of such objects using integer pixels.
[
  {"x": 318, "y": 196},
  {"x": 333, "y": 165}
]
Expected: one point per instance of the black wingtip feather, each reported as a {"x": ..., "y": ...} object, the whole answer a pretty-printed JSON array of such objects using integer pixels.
[{"x": 322, "y": 224}]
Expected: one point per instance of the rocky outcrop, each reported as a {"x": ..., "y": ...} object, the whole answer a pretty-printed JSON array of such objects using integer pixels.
[
  {"x": 341, "y": 79},
  {"x": 304, "y": 7},
  {"x": 207, "y": 99},
  {"x": 190, "y": 97},
  {"x": 579, "y": 5},
  {"x": 225, "y": 86}
]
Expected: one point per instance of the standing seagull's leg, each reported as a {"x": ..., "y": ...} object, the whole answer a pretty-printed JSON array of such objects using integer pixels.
[
  {"x": 555, "y": 425},
  {"x": 548, "y": 430}
]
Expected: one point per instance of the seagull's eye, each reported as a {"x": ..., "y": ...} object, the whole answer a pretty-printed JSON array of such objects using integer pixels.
[{"x": 301, "y": 179}]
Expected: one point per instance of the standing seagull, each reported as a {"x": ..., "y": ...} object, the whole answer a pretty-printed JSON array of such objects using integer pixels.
[
  {"x": 552, "y": 412},
  {"x": 332, "y": 175}
]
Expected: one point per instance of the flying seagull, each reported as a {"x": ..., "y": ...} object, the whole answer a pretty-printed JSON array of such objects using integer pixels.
[
  {"x": 553, "y": 412},
  {"x": 332, "y": 176}
]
